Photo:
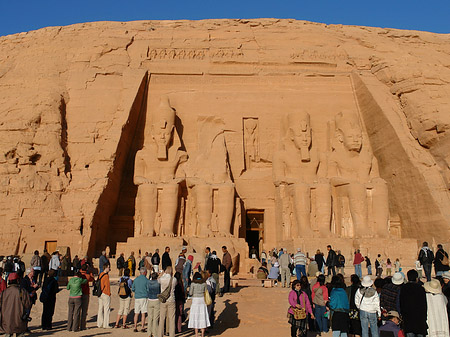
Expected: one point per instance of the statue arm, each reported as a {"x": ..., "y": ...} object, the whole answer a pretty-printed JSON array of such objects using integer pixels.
[
  {"x": 278, "y": 173},
  {"x": 322, "y": 170},
  {"x": 139, "y": 171},
  {"x": 333, "y": 174}
]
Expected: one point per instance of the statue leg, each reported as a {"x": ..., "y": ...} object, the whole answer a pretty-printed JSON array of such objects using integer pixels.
[
  {"x": 323, "y": 208},
  {"x": 148, "y": 203},
  {"x": 225, "y": 207},
  {"x": 204, "y": 209},
  {"x": 380, "y": 200},
  {"x": 302, "y": 209},
  {"x": 169, "y": 206},
  {"x": 358, "y": 208}
]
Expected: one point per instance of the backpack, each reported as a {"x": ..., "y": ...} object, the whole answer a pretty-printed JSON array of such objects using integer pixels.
[
  {"x": 124, "y": 289},
  {"x": 97, "y": 291}
]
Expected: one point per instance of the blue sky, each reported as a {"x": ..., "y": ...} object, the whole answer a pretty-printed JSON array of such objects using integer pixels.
[{"x": 19, "y": 16}]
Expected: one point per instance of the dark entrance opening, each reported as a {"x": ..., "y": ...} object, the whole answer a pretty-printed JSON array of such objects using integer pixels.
[{"x": 254, "y": 234}]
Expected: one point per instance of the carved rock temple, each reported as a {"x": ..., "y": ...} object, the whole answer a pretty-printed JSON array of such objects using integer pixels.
[{"x": 264, "y": 133}]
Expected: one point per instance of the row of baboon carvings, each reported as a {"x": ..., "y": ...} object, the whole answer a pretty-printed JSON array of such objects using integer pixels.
[{"x": 312, "y": 188}]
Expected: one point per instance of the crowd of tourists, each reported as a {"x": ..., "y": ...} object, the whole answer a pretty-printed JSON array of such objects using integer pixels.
[
  {"x": 397, "y": 305},
  {"x": 160, "y": 291}
]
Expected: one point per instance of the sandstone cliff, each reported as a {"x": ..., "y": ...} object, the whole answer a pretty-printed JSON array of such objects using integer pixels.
[{"x": 73, "y": 102}]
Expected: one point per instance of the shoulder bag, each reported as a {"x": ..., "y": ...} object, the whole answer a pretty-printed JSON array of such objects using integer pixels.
[{"x": 164, "y": 296}]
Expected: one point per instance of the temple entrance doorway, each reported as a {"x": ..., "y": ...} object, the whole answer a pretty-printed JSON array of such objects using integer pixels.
[
  {"x": 254, "y": 234},
  {"x": 51, "y": 246}
]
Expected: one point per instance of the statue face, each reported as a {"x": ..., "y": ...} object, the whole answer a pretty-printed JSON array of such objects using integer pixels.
[
  {"x": 162, "y": 133},
  {"x": 352, "y": 139},
  {"x": 301, "y": 135}
]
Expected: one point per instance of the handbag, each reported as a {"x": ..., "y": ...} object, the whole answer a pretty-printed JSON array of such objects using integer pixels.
[
  {"x": 208, "y": 299},
  {"x": 164, "y": 296},
  {"x": 299, "y": 313}
]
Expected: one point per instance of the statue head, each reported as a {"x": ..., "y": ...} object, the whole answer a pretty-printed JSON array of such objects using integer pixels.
[
  {"x": 348, "y": 131},
  {"x": 163, "y": 123},
  {"x": 299, "y": 132},
  {"x": 250, "y": 125}
]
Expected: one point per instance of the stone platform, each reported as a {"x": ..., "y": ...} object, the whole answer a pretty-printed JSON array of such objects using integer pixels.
[
  {"x": 238, "y": 248},
  {"x": 406, "y": 250}
]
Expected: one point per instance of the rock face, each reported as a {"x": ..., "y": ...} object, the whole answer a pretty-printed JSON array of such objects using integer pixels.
[{"x": 78, "y": 107}]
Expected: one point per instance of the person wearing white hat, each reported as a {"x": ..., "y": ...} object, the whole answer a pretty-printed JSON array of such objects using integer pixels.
[
  {"x": 436, "y": 305},
  {"x": 389, "y": 292},
  {"x": 368, "y": 303},
  {"x": 274, "y": 272},
  {"x": 392, "y": 324}
]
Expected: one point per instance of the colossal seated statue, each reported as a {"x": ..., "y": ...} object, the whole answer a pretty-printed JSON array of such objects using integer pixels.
[
  {"x": 298, "y": 168},
  {"x": 155, "y": 174},
  {"x": 353, "y": 173},
  {"x": 211, "y": 190}
]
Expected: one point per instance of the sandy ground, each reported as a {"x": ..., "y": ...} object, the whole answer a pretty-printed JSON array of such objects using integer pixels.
[{"x": 247, "y": 310}]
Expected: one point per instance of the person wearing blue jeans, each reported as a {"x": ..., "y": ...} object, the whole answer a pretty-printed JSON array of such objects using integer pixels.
[
  {"x": 368, "y": 303},
  {"x": 368, "y": 318},
  {"x": 300, "y": 270},
  {"x": 322, "y": 321},
  {"x": 358, "y": 270}
]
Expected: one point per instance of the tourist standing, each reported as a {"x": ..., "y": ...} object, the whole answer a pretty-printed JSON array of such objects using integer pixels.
[
  {"x": 153, "y": 290},
  {"x": 139, "y": 288},
  {"x": 300, "y": 264},
  {"x": 187, "y": 271},
  {"x": 389, "y": 292},
  {"x": 339, "y": 308},
  {"x": 35, "y": 263},
  {"x": 166, "y": 260},
  {"x": 298, "y": 299},
  {"x": 180, "y": 261},
  {"x": 284, "y": 262},
  {"x": 104, "y": 301},
  {"x": 102, "y": 260},
  {"x": 3, "y": 284},
  {"x": 357, "y": 260},
  {"x": 85, "y": 297},
  {"x": 319, "y": 260},
  {"x": 340, "y": 263},
  {"x": 48, "y": 298},
  {"x": 211, "y": 285},
  {"x": 436, "y": 307},
  {"x": 355, "y": 323},
  {"x": 213, "y": 266},
  {"x": 120, "y": 264},
  {"x": 319, "y": 297},
  {"x": 368, "y": 303},
  {"x": 45, "y": 260},
  {"x": 441, "y": 262},
  {"x": 76, "y": 266},
  {"x": 167, "y": 309},
  {"x": 125, "y": 285},
  {"x": 180, "y": 299},
  {"x": 75, "y": 292},
  {"x": 368, "y": 266},
  {"x": 426, "y": 258},
  {"x": 16, "y": 305},
  {"x": 397, "y": 266},
  {"x": 55, "y": 263},
  {"x": 413, "y": 306},
  {"x": 227, "y": 264},
  {"x": 27, "y": 284},
  {"x": 156, "y": 260},
  {"x": 379, "y": 266},
  {"x": 331, "y": 261},
  {"x": 131, "y": 264},
  {"x": 388, "y": 267},
  {"x": 274, "y": 273},
  {"x": 207, "y": 256},
  {"x": 198, "y": 314}
]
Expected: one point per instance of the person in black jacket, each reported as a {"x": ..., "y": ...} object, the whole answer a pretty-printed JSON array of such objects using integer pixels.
[
  {"x": 156, "y": 260},
  {"x": 166, "y": 260},
  {"x": 331, "y": 261},
  {"x": 441, "y": 261},
  {"x": 413, "y": 305},
  {"x": 48, "y": 298},
  {"x": 426, "y": 258},
  {"x": 121, "y": 264}
]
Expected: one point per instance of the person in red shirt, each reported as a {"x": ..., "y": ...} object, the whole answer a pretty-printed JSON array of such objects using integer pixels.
[
  {"x": 85, "y": 274},
  {"x": 2, "y": 282},
  {"x": 357, "y": 263}
]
